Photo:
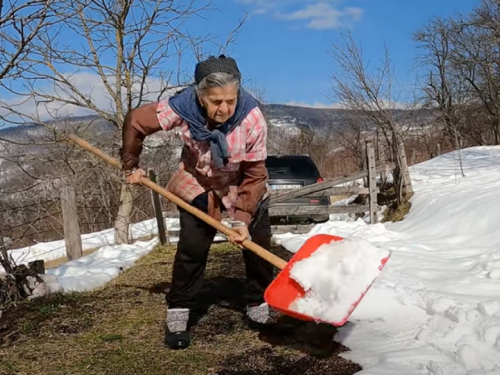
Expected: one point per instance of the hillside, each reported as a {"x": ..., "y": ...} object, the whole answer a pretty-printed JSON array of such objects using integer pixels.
[
  {"x": 99, "y": 131},
  {"x": 318, "y": 118},
  {"x": 23, "y": 144},
  {"x": 313, "y": 118}
]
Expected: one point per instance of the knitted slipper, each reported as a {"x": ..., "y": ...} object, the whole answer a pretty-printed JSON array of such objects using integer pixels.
[{"x": 176, "y": 334}]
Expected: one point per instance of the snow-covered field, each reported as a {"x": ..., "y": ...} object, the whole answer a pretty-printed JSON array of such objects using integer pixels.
[{"x": 435, "y": 309}]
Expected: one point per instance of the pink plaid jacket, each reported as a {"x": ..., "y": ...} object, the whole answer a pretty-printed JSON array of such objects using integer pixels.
[{"x": 195, "y": 175}]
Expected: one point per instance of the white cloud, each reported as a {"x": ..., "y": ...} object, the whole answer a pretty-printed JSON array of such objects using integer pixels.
[
  {"x": 386, "y": 104},
  {"x": 355, "y": 13},
  {"x": 87, "y": 83},
  {"x": 313, "y": 105},
  {"x": 319, "y": 15},
  {"x": 323, "y": 16}
]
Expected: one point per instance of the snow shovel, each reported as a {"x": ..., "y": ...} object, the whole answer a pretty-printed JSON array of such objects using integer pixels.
[{"x": 283, "y": 290}]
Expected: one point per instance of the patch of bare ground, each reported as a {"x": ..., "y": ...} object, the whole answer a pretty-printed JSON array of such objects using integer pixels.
[{"x": 119, "y": 329}]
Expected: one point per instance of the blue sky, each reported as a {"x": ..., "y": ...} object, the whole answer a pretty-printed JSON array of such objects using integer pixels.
[{"x": 284, "y": 46}]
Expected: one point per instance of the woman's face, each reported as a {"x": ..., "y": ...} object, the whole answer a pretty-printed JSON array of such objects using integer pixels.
[{"x": 220, "y": 102}]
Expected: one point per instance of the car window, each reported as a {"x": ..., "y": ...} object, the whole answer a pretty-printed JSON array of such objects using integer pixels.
[{"x": 291, "y": 167}]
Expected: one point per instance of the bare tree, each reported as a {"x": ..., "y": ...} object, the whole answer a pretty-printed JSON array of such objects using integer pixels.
[
  {"x": 372, "y": 95},
  {"x": 485, "y": 32},
  {"x": 20, "y": 22},
  {"x": 123, "y": 53},
  {"x": 350, "y": 134},
  {"x": 462, "y": 54},
  {"x": 445, "y": 88},
  {"x": 476, "y": 56}
]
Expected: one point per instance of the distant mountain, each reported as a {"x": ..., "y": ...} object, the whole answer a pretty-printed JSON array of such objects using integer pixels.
[
  {"x": 307, "y": 117},
  {"x": 93, "y": 126},
  {"x": 277, "y": 114},
  {"x": 98, "y": 130},
  {"x": 318, "y": 118},
  {"x": 19, "y": 144}
]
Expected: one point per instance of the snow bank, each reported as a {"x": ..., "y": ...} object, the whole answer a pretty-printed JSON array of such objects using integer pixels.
[
  {"x": 335, "y": 277},
  {"x": 57, "y": 249},
  {"x": 435, "y": 309},
  {"x": 101, "y": 266}
]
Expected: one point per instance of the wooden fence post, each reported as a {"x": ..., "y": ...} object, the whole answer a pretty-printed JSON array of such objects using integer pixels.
[
  {"x": 372, "y": 181},
  {"x": 402, "y": 162},
  {"x": 72, "y": 237},
  {"x": 366, "y": 180},
  {"x": 158, "y": 212},
  {"x": 4, "y": 257}
]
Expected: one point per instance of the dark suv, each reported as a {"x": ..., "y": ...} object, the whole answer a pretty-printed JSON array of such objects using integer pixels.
[{"x": 288, "y": 172}]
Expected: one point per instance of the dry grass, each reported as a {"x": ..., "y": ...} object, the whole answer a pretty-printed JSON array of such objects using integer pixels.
[
  {"x": 119, "y": 329},
  {"x": 336, "y": 198},
  {"x": 398, "y": 213}
]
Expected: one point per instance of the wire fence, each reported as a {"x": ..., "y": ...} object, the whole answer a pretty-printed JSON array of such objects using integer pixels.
[{"x": 42, "y": 221}]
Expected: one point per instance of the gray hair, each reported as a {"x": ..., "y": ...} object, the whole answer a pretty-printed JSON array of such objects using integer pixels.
[{"x": 219, "y": 79}]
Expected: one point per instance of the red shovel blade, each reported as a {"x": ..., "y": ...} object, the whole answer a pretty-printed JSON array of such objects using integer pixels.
[{"x": 284, "y": 290}]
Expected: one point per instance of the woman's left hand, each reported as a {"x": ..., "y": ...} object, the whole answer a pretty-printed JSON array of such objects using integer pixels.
[{"x": 242, "y": 235}]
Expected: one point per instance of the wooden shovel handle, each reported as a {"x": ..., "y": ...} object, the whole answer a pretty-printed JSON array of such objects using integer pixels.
[{"x": 260, "y": 251}]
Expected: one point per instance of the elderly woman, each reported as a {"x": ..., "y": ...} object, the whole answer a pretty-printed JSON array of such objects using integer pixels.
[{"x": 222, "y": 168}]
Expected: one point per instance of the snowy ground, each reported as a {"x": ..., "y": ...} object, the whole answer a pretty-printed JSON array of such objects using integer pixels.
[
  {"x": 436, "y": 307},
  {"x": 96, "y": 269}
]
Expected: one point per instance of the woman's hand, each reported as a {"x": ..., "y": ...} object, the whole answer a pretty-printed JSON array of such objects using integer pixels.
[
  {"x": 135, "y": 178},
  {"x": 242, "y": 235}
]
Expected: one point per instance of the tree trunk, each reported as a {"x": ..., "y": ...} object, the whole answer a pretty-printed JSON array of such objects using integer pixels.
[{"x": 123, "y": 217}]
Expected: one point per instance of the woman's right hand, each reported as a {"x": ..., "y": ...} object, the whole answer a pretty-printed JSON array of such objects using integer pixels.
[{"x": 135, "y": 178}]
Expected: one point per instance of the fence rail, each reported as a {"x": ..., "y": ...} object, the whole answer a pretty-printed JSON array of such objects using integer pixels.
[
  {"x": 331, "y": 188},
  {"x": 325, "y": 186},
  {"x": 279, "y": 208},
  {"x": 69, "y": 225}
]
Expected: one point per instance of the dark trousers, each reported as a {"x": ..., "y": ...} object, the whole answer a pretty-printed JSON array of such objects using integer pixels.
[{"x": 195, "y": 239}]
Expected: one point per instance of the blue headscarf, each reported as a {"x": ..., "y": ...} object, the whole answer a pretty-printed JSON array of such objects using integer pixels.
[{"x": 185, "y": 104}]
